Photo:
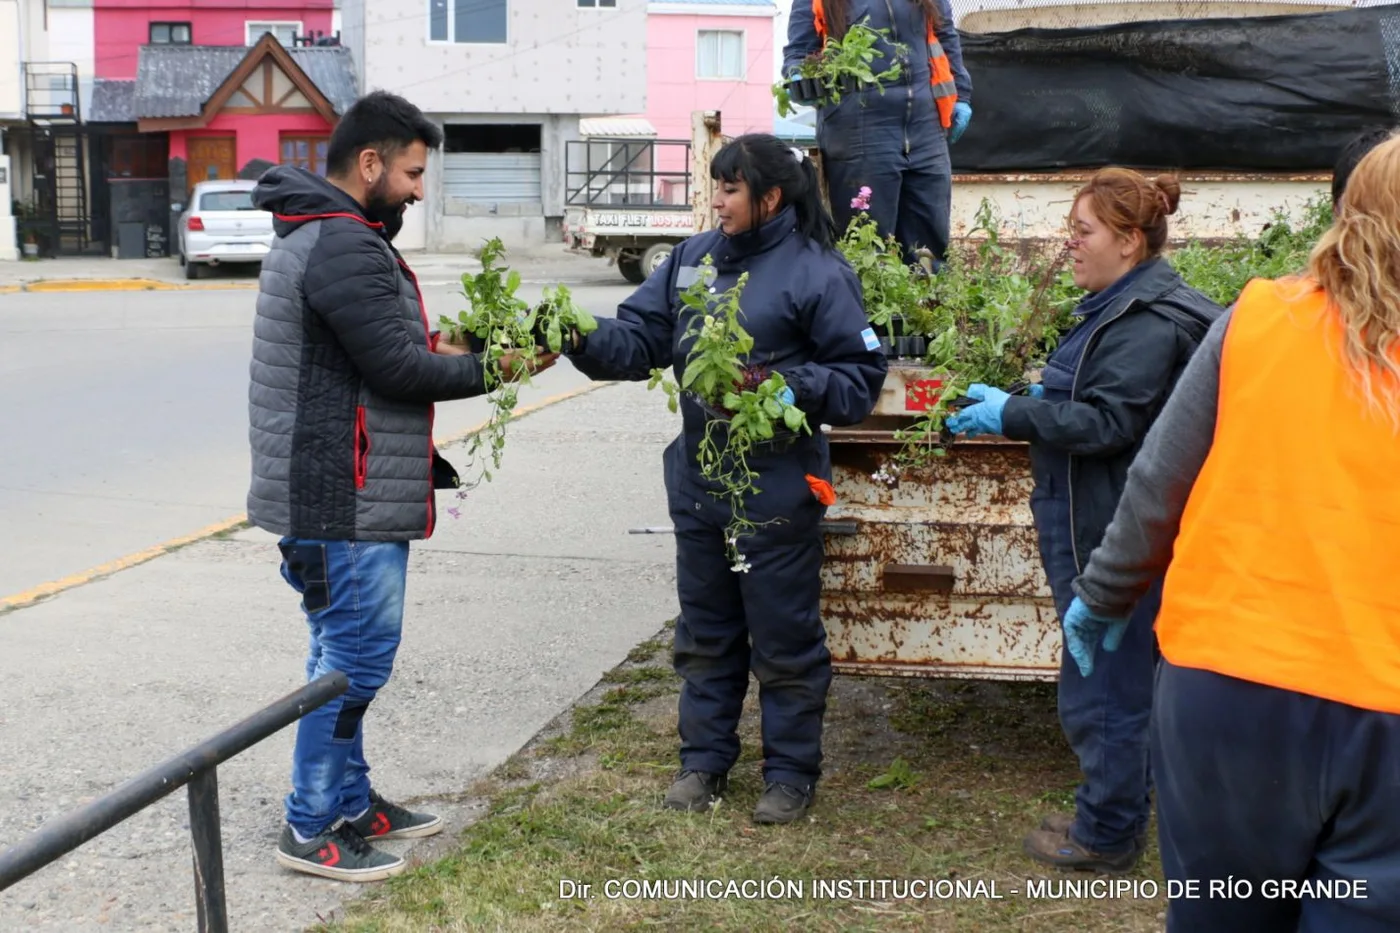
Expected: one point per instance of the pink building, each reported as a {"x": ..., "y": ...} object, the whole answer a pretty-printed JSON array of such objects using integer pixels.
[
  {"x": 710, "y": 55},
  {"x": 701, "y": 55},
  {"x": 191, "y": 90},
  {"x": 121, "y": 27}
]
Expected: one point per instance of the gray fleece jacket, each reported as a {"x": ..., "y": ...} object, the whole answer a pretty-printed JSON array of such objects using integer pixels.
[{"x": 1138, "y": 545}]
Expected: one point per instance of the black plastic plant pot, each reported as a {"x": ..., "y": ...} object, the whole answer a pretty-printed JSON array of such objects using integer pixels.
[
  {"x": 912, "y": 347},
  {"x": 805, "y": 90},
  {"x": 893, "y": 328}
]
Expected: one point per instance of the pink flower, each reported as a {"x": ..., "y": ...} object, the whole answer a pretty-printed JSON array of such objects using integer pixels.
[
  {"x": 861, "y": 201},
  {"x": 455, "y": 513}
]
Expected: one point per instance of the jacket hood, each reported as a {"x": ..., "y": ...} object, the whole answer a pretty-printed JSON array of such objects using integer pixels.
[
  {"x": 1161, "y": 289},
  {"x": 295, "y": 196}
]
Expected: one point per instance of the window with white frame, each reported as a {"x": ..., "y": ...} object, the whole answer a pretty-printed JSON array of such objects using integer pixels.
[
  {"x": 719, "y": 53},
  {"x": 467, "y": 21},
  {"x": 284, "y": 31}
]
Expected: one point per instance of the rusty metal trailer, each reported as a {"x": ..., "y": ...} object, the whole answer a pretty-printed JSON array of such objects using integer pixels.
[{"x": 935, "y": 573}]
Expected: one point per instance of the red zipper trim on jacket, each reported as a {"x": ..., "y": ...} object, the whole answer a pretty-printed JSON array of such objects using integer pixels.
[
  {"x": 432, "y": 409},
  {"x": 361, "y": 448},
  {"x": 303, "y": 218}
]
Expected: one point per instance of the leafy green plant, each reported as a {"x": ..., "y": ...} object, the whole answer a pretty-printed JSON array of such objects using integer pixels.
[
  {"x": 900, "y": 776},
  {"x": 990, "y": 315},
  {"x": 1221, "y": 271},
  {"x": 891, "y": 288},
  {"x": 502, "y": 324},
  {"x": 994, "y": 314},
  {"x": 743, "y": 400},
  {"x": 851, "y": 57},
  {"x": 556, "y": 315}
]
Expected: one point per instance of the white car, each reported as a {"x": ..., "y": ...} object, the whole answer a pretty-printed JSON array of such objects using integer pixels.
[{"x": 220, "y": 224}]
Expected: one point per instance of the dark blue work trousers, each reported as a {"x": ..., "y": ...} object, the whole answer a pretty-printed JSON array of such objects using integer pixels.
[
  {"x": 767, "y": 620},
  {"x": 1262, "y": 786},
  {"x": 1105, "y": 716},
  {"x": 894, "y": 145}
]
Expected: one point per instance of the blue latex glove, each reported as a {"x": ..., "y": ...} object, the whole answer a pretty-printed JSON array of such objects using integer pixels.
[
  {"x": 787, "y": 398},
  {"x": 962, "y": 116},
  {"x": 1084, "y": 631},
  {"x": 982, "y": 418},
  {"x": 1036, "y": 390}
]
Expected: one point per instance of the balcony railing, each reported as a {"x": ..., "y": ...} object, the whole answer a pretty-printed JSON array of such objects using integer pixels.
[{"x": 51, "y": 92}]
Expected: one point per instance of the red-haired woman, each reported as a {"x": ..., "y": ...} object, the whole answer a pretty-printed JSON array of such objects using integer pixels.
[{"x": 1100, "y": 391}]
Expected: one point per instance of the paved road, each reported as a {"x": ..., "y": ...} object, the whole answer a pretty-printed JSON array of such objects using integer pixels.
[
  {"x": 514, "y": 611},
  {"x": 125, "y": 416},
  {"x": 124, "y": 426}
]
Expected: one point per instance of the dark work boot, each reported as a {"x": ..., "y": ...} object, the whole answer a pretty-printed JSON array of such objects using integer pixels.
[
  {"x": 1058, "y": 849},
  {"x": 782, "y": 803},
  {"x": 695, "y": 790},
  {"x": 1060, "y": 823}
]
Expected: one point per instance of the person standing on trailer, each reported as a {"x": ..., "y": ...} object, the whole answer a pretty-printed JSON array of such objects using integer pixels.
[
  {"x": 892, "y": 139},
  {"x": 802, "y": 306}
]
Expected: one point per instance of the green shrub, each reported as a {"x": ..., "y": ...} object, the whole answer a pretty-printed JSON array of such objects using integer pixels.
[{"x": 1222, "y": 270}]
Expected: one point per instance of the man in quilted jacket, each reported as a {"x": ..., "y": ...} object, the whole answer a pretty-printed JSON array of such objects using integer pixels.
[{"x": 344, "y": 375}]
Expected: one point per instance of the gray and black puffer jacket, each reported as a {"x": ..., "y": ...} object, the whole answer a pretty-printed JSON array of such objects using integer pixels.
[{"x": 343, "y": 375}]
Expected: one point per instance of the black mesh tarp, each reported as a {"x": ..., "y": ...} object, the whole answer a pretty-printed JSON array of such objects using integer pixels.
[{"x": 1264, "y": 93}]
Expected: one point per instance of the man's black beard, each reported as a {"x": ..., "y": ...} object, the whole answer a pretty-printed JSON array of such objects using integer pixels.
[{"x": 380, "y": 209}]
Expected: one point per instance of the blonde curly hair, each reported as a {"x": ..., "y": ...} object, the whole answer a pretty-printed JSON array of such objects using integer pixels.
[{"x": 1356, "y": 263}]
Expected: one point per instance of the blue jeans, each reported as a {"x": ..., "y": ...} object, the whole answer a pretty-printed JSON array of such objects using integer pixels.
[
  {"x": 353, "y": 595},
  {"x": 1106, "y": 716},
  {"x": 1262, "y": 785}
]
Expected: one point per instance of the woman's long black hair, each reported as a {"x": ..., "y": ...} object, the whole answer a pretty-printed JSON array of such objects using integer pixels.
[{"x": 765, "y": 162}]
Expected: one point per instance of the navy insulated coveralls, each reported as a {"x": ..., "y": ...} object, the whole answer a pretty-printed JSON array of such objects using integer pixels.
[
  {"x": 802, "y": 306},
  {"x": 893, "y": 142}
]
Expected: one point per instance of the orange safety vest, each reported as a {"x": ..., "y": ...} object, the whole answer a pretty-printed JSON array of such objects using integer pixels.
[
  {"x": 1284, "y": 569},
  {"x": 945, "y": 92}
]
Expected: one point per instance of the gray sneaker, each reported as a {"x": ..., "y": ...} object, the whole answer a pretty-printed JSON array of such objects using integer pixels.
[
  {"x": 782, "y": 803},
  {"x": 338, "y": 852},
  {"x": 695, "y": 790},
  {"x": 385, "y": 820}
]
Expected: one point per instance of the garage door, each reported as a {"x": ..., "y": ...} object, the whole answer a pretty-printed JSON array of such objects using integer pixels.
[{"x": 489, "y": 177}]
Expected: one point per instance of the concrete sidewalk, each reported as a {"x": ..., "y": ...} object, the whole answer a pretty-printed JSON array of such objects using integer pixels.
[
  {"x": 540, "y": 265},
  {"x": 514, "y": 611}
]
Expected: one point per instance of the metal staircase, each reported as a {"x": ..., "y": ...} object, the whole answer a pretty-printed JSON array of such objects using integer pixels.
[{"x": 60, "y": 157}]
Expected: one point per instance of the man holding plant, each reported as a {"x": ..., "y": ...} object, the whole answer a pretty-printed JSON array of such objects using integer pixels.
[
  {"x": 763, "y": 325},
  {"x": 344, "y": 375},
  {"x": 894, "y": 95}
]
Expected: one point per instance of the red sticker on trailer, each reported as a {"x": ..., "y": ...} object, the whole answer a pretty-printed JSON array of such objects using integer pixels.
[{"x": 921, "y": 394}]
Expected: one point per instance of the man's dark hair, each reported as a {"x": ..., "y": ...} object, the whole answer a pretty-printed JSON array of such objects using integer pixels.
[
  {"x": 1352, "y": 153},
  {"x": 380, "y": 121}
]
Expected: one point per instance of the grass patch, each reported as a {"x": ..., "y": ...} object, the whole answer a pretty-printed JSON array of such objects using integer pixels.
[
  {"x": 929, "y": 780},
  {"x": 646, "y": 651}
]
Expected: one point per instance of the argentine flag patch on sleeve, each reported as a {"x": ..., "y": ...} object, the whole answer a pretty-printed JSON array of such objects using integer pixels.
[{"x": 871, "y": 341}]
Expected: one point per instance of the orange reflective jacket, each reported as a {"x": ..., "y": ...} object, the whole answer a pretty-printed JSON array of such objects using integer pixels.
[
  {"x": 1284, "y": 569},
  {"x": 945, "y": 92}
]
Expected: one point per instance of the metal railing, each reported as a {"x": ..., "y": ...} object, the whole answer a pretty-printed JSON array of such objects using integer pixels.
[
  {"x": 620, "y": 172},
  {"x": 196, "y": 766}
]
